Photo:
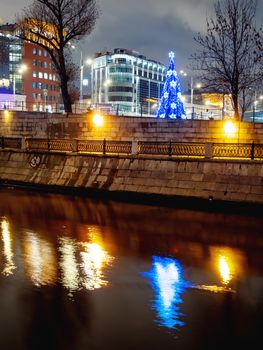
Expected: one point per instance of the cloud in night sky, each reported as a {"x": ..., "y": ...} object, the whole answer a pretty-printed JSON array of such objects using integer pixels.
[{"x": 151, "y": 27}]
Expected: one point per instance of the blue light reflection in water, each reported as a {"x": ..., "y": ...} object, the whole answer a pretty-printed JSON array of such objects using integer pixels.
[{"x": 168, "y": 285}]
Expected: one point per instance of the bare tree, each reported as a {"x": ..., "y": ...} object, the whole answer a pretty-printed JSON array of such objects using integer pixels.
[
  {"x": 230, "y": 59},
  {"x": 53, "y": 24}
]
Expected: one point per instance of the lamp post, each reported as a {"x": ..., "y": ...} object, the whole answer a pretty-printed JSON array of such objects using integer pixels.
[
  {"x": 81, "y": 80},
  {"x": 81, "y": 69},
  {"x": 192, "y": 87}
]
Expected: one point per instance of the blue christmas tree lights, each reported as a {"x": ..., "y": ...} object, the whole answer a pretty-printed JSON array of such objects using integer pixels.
[{"x": 171, "y": 105}]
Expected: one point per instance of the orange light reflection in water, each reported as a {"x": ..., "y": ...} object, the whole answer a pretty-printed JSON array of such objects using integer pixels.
[
  {"x": 40, "y": 260},
  {"x": 7, "y": 248},
  {"x": 229, "y": 264},
  {"x": 93, "y": 259}
]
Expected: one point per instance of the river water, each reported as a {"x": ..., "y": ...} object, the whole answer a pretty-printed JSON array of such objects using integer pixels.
[{"x": 79, "y": 273}]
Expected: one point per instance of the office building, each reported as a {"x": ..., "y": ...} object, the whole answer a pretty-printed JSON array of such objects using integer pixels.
[{"x": 126, "y": 81}]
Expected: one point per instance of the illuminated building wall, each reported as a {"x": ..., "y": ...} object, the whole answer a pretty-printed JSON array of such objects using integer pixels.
[
  {"x": 129, "y": 82},
  {"x": 39, "y": 82}
]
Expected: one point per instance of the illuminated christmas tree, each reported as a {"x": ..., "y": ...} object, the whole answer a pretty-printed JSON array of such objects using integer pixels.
[{"x": 171, "y": 105}]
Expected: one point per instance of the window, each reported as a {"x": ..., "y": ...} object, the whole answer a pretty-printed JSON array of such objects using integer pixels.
[
  {"x": 45, "y": 53},
  {"x": 40, "y": 85},
  {"x": 120, "y": 98},
  {"x": 34, "y": 51},
  {"x": 120, "y": 89},
  {"x": 40, "y": 75},
  {"x": 34, "y": 73},
  {"x": 34, "y": 85},
  {"x": 34, "y": 96},
  {"x": 34, "y": 62},
  {"x": 45, "y": 76},
  {"x": 40, "y": 52},
  {"x": 39, "y": 63},
  {"x": 50, "y": 76},
  {"x": 45, "y": 64}
]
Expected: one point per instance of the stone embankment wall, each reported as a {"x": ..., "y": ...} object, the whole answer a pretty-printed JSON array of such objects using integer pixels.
[
  {"x": 218, "y": 179},
  {"x": 43, "y": 125}
]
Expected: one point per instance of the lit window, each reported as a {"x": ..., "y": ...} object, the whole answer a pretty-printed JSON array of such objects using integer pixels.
[
  {"x": 50, "y": 76},
  {"x": 45, "y": 76},
  {"x": 40, "y": 52},
  {"x": 45, "y": 53},
  {"x": 40, "y": 75},
  {"x": 34, "y": 51},
  {"x": 34, "y": 73},
  {"x": 40, "y": 85}
]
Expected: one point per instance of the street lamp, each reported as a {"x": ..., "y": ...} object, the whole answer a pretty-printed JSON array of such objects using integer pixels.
[
  {"x": 81, "y": 67},
  {"x": 20, "y": 71},
  {"x": 192, "y": 87}
]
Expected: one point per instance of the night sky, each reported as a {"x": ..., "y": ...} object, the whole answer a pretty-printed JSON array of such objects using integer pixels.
[{"x": 151, "y": 27}]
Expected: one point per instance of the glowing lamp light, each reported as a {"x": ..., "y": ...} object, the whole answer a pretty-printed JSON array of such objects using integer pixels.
[
  {"x": 98, "y": 120},
  {"x": 230, "y": 128},
  {"x": 7, "y": 116}
]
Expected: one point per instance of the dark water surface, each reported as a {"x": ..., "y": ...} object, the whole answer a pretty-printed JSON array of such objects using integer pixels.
[{"x": 76, "y": 273}]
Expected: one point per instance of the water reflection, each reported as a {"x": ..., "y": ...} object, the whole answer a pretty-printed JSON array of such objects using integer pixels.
[
  {"x": 40, "y": 260},
  {"x": 75, "y": 263},
  {"x": 88, "y": 273},
  {"x": 229, "y": 263},
  {"x": 94, "y": 259},
  {"x": 168, "y": 284},
  {"x": 7, "y": 248},
  {"x": 68, "y": 263}
]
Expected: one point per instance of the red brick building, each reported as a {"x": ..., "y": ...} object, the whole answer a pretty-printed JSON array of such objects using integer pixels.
[{"x": 40, "y": 84}]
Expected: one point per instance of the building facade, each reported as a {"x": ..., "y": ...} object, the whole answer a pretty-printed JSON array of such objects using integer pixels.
[
  {"x": 126, "y": 81},
  {"x": 27, "y": 69}
]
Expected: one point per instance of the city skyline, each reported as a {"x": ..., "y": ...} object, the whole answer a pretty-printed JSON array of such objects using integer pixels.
[{"x": 154, "y": 33}]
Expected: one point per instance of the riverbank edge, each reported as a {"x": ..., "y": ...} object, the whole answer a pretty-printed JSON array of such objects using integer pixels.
[{"x": 160, "y": 200}]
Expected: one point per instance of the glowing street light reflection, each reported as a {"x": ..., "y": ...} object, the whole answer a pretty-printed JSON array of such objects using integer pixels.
[
  {"x": 228, "y": 262},
  {"x": 40, "y": 260},
  {"x": 224, "y": 270},
  {"x": 94, "y": 258},
  {"x": 8, "y": 253},
  {"x": 68, "y": 264}
]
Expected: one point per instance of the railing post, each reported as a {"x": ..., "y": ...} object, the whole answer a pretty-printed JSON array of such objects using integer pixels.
[
  {"x": 252, "y": 150},
  {"x": 104, "y": 147},
  {"x": 170, "y": 148},
  {"x": 208, "y": 150},
  {"x": 23, "y": 143},
  {"x": 48, "y": 145},
  {"x": 134, "y": 147},
  {"x": 3, "y": 142},
  {"x": 74, "y": 145},
  {"x": 193, "y": 112}
]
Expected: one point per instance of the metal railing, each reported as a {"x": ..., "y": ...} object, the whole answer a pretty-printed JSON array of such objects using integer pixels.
[
  {"x": 243, "y": 151},
  {"x": 200, "y": 112},
  {"x": 11, "y": 142}
]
